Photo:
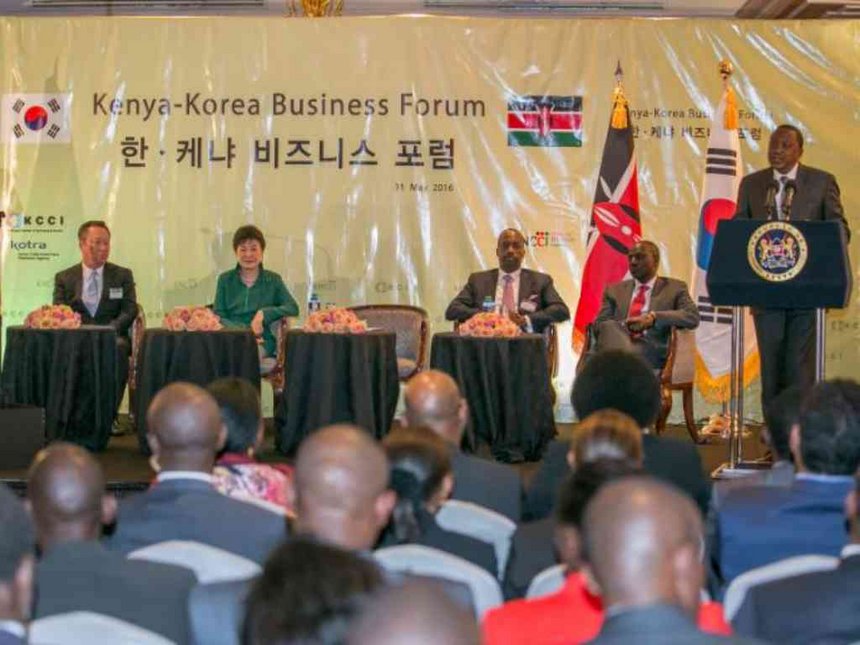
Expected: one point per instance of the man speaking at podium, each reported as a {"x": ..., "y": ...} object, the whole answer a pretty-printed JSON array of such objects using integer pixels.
[{"x": 787, "y": 191}]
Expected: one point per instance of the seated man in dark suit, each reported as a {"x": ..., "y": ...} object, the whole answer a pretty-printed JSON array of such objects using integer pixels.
[
  {"x": 638, "y": 314},
  {"x": 101, "y": 292},
  {"x": 819, "y": 607},
  {"x": 185, "y": 433},
  {"x": 66, "y": 490},
  {"x": 757, "y": 525},
  {"x": 433, "y": 401},
  {"x": 527, "y": 297},
  {"x": 17, "y": 543},
  {"x": 644, "y": 545}
]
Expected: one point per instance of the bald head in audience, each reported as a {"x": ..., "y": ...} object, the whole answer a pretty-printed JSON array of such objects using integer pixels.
[
  {"x": 66, "y": 492},
  {"x": 644, "y": 540},
  {"x": 414, "y": 614},
  {"x": 341, "y": 487},
  {"x": 185, "y": 428},
  {"x": 433, "y": 401}
]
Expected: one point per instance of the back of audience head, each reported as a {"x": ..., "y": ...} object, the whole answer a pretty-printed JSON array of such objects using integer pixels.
[
  {"x": 780, "y": 416},
  {"x": 241, "y": 414},
  {"x": 185, "y": 431},
  {"x": 576, "y": 492},
  {"x": 308, "y": 593},
  {"x": 17, "y": 541},
  {"x": 643, "y": 541},
  {"x": 606, "y": 434},
  {"x": 66, "y": 492},
  {"x": 416, "y": 613},
  {"x": 433, "y": 400},
  {"x": 619, "y": 380},
  {"x": 341, "y": 487},
  {"x": 420, "y": 476},
  {"x": 827, "y": 437}
]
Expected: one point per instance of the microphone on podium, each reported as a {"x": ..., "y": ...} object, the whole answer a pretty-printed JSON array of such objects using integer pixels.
[
  {"x": 770, "y": 198},
  {"x": 788, "y": 191}
]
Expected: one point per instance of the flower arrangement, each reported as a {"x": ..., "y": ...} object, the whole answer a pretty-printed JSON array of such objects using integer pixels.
[
  {"x": 53, "y": 317},
  {"x": 192, "y": 319},
  {"x": 335, "y": 321},
  {"x": 489, "y": 325}
]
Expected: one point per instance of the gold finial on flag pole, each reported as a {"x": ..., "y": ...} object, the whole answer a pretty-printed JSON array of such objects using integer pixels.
[
  {"x": 619, "y": 101},
  {"x": 317, "y": 8},
  {"x": 730, "y": 116}
]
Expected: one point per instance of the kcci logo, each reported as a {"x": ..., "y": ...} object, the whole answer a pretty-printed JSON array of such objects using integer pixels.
[{"x": 21, "y": 221}]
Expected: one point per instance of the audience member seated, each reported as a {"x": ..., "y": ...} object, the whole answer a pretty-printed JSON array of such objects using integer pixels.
[
  {"x": 433, "y": 401},
  {"x": 17, "y": 542},
  {"x": 620, "y": 380},
  {"x": 308, "y": 593},
  {"x": 820, "y": 607},
  {"x": 185, "y": 433},
  {"x": 605, "y": 434},
  {"x": 758, "y": 525},
  {"x": 638, "y": 315},
  {"x": 237, "y": 473},
  {"x": 421, "y": 477},
  {"x": 66, "y": 492},
  {"x": 573, "y": 614},
  {"x": 414, "y": 614},
  {"x": 249, "y": 295},
  {"x": 643, "y": 544}
]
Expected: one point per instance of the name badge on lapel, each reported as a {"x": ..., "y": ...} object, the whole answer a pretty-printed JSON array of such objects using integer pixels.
[
  {"x": 529, "y": 306},
  {"x": 115, "y": 293}
]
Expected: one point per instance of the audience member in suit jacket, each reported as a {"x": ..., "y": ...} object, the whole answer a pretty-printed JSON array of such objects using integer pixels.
[
  {"x": 101, "y": 292},
  {"x": 185, "y": 433},
  {"x": 532, "y": 303},
  {"x": 17, "y": 544},
  {"x": 758, "y": 525},
  {"x": 433, "y": 401},
  {"x": 819, "y": 607},
  {"x": 621, "y": 381},
  {"x": 786, "y": 336},
  {"x": 76, "y": 573},
  {"x": 639, "y": 314},
  {"x": 643, "y": 541}
]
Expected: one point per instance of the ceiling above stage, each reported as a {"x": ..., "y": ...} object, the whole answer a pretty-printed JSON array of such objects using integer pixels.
[{"x": 767, "y": 9}]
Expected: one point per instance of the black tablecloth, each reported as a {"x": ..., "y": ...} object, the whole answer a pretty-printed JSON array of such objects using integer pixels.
[
  {"x": 506, "y": 382},
  {"x": 335, "y": 378},
  {"x": 197, "y": 357},
  {"x": 69, "y": 372}
]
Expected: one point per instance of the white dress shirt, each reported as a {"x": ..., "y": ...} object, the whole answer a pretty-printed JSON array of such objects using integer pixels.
[
  {"x": 88, "y": 273},
  {"x": 792, "y": 175},
  {"x": 646, "y": 307},
  {"x": 515, "y": 287}
]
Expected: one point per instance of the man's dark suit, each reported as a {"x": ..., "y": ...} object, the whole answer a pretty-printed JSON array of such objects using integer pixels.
[
  {"x": 819, "y": 607},
  {"x": 84, "y": 576},
  {"x": 786, "y": 337},
  {"x": 535, "y": 287},
  {"x": 757, "y": 525},
  {"x": 670, "y": 303},
  {"x": 487, "y": 483},
  {"x": 188, "y": 509},
  {"x": 117, "y": 307}
]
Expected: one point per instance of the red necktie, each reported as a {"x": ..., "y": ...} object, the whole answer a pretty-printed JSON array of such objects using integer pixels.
[
  {"x": 508, "y": 305},
  {"x": 638, "y": 303}
]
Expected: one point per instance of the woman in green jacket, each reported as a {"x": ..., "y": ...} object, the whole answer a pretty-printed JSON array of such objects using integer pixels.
[{"x": 251, "y": 296}]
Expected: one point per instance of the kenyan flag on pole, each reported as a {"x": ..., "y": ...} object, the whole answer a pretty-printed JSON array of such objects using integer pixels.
[{"x": 545, "y": 121}]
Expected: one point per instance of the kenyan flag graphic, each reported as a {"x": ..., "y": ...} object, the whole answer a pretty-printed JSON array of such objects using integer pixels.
[{"x": 554, "y": 121}]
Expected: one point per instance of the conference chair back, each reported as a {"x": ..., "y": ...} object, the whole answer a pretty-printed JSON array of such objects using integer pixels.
[
  {"x": 89, "y": 627},
  {"x": 411, "y": 327},
  {"x": 547, "y": 582},
  {"x": 210, "y": 564},
  {"x": 467, "y": 518}
]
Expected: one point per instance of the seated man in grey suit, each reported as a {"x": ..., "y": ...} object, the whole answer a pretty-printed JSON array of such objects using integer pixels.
[
  {"x": 638, "y": 314},
  {"x": 527, "y": 297},
  {"x": 433, "y": 401},
  {"x": 66, "y": 490},
  {"x": 101, "y": 292},
  {"x": 819, "y": 607},
  {"x": 185, "y": 433},
  {"x": 17, "y": 543},
  {"x": 644, "y": 545}
]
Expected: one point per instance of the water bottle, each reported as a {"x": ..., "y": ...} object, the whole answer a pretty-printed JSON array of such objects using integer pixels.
[
  {"x": 489, "y": 305},
  {"x": 314, "y": 303}
]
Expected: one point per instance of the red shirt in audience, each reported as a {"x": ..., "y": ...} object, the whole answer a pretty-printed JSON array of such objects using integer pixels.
[{"x": 571, "y": 615}]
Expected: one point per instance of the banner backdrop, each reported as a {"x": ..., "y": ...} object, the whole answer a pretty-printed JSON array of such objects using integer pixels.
[{"x": 382, "y": 156}]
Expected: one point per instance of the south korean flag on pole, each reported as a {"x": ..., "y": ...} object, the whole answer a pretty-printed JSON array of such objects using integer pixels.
[{"x": 35, "y": 118}]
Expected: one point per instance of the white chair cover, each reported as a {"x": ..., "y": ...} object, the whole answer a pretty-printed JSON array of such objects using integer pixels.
[
  {"x": 546, "y": 582},
  {"x": 78, "y": 627},
  {"x": 209, "y": 563},
  {"x": 482, "y": 524}
]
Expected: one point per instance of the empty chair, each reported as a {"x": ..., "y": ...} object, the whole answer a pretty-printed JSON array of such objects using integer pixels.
[
  {"x": 411, "y": 328},
  {"x": 480, "y": 523}
]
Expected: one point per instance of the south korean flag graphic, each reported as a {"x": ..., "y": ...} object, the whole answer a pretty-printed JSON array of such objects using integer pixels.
[{"x": 36, "y": 118}]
